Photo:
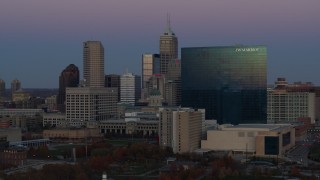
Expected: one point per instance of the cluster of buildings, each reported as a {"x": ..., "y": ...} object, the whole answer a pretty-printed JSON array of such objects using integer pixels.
[{"x": 210, "y": 95}]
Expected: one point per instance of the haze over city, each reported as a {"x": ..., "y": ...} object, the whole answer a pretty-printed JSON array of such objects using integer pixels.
[{"x": 40, "y": 38}]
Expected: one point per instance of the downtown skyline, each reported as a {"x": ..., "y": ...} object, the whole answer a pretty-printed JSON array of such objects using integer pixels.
[{"x": 39, "y": 39}]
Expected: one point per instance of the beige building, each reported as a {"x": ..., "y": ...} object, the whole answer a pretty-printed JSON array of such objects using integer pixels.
[
  {"x": 72, "y": 134},
  {"x": 93, "y": 64},
  {"x": 286, "y": 107},
  {"x": 20, "y": 95},
  {"x": 255, "y": 139},
  {"x": 85, "y": 104},
  {"x": 180, "y": 128}
]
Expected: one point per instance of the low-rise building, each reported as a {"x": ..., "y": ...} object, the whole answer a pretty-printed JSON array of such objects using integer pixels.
[{"x": 255, "y": 139}]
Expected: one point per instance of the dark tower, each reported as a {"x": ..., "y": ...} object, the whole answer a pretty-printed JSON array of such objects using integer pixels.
[{"x": 69, "y": 78}]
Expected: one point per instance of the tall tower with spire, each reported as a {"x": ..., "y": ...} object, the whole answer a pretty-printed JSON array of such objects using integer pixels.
[{"x": 168, "y": 47}]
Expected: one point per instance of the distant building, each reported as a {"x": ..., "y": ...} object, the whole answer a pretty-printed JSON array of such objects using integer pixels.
[
  {"x": 73, "y": 135},
  {"x": 2, "y": 88},
  {"x": 173, "y": 83},
  {"x": 69, "y": 77},
  {"x": 87, "y": 104},
  {"x": 230, "y": 83},
  {"x": 150, "y": 66},
  {"x": 168, "y": 48},
  {"x": 52, "y": 103},
  {"x": 113, "y": 81},
  {"x": 55, "y": 120},
  {"x": 15, "y": 85},
  {"x": 255, "y": 139},
  {"x": 13, "y": 156},
  {"x": 180, "y": 129},
  {"x": 130, "y": 88},
  {"x": 93, "y": 64}
]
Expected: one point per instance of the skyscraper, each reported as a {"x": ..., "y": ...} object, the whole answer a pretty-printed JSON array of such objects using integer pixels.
[
  {"x": 2, "y": 88},
  {"x": 15, "y": 85},
  {"x": 113, "y": 81},
  {"x": 150, "y": 66},
  {"x": 69, "y": 78},
  {"x": 229, "y": 82},
  {"x": 130, "y": 88},
  {"x": 93, "y": 64},
  {"x": 168, "y": 48}
]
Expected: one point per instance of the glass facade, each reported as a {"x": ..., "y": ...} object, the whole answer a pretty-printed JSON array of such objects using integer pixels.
[
  {"x": 229, "y": 82},
  {"x": 271, "y": 145}
]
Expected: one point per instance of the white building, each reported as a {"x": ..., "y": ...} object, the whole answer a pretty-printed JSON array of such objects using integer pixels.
[
  {"x": 130, "y": 88},
  {"x": 285, "y": 107},
  {"x": 87, "y": 104}
]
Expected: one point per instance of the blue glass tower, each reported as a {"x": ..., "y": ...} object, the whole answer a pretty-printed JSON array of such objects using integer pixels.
[{"x": 229, "y": 82}]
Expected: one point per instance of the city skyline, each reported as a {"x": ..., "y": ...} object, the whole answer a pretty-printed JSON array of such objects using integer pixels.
[{"x": 39, "y": 39}]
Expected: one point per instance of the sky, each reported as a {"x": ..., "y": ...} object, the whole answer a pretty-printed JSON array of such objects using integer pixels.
[{"x": 39, "y": 38}]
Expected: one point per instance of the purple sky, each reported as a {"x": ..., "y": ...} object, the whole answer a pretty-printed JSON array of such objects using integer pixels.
[{"x": 38, "y": 38}]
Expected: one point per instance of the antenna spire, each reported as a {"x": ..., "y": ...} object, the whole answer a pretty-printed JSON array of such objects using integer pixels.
[{"x": 168, "y": 22}]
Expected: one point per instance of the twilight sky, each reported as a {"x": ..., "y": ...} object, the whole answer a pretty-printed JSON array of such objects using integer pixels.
[{"x": 39, "y": 38}]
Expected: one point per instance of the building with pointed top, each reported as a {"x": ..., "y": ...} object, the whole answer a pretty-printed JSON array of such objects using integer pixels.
[{"x": 168, "y": 48}]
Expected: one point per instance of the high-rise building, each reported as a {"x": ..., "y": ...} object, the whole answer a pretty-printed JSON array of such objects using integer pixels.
[
  {"x": 130, "y": 88},
  {"x": 2, "y": 88},
  {"x": 113, "y": 80},
  {"x": 173, "y": 83},
  {"x": 228, "y": 82},
  {"x": 168, "y": 48},
  {"x": 89, "y": 104},
  {"x": 150, "y": 66},
  {"x": 180, "y": 129},
  {"x": 93, "y": 64},
  {"x": 69, "y": 78},
  {"x": 15, "y": 85}
]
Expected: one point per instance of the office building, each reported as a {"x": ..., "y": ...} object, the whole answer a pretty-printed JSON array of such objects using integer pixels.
[
  {"x": 168, "y": 48},
  {"x": 113, "y": 81},
  {"x": 2, "y": 88},
  {"x": 87, "y": 104},
  {"x": 173, "y": 83},
  {"x": 69, "y": 78},
  {"x": 130, "y": 88},
  {"x": 15, "y": 85},
  {"x": 269, "y": 140},
  {"x": 230, "y": 83},
  {"x": 180, "y": 129},
  {"x": 93, "y": 64},
  {"x": 150, "y": 66},
  {"x": 288, "y": 102}
]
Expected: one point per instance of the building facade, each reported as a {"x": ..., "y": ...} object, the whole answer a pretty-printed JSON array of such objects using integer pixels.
[
  {"x": 180, "y": 129},
  {"x": 130, "y": 88},
  {"x": 254, "y": 139},
  {"x": 150, "y": 66},
  {"x": 113, "y": 81},
  {"x": 93, "y": 64},
  {"x": 287, "y": 107},
  {"x": 87, "y": 104},
  {"x": 168, "y": 48},
  {"x": 229, "y": 82},
  {"x": 69, "y": 77}
]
